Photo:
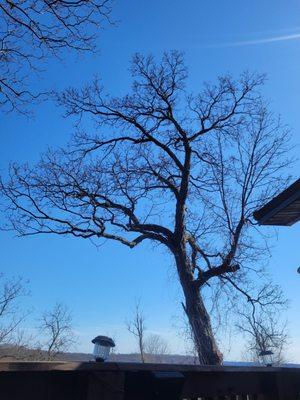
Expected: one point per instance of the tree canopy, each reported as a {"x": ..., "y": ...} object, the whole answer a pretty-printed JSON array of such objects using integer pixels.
[{"x": 185, "y": 170}]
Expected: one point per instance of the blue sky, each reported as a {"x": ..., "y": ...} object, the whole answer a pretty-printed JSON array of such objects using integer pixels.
[{"x": 101, "y": 285}]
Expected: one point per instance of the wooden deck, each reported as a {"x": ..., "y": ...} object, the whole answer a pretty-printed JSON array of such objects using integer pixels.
[{"x": 133, "y": 381}]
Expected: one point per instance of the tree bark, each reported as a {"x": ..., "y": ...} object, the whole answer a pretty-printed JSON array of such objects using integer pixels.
[{"x": 206, "y": 346}]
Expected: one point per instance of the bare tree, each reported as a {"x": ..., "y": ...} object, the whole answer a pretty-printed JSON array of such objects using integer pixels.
[
  {"x": 184, "y": 171},
  {"x": 56, "y": 326},
  {"x": 264, "y": 328},
  {"x": 15, "y": 341},
  {"x": 31, "y": 30},
  {"x": 156, "y": 345},
  {"x": 151, "y": 346},
  {"x": 137, "y": 327},
  {"x": 155, "y": 348},
  {"x": 23, "y": 347},
  {"x": 11, "y": 315}
]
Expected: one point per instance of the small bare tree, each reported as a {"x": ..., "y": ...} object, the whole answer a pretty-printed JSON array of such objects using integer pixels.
[
  {"x": 56, "y": 326},
  {"x": 156, "y": 345},
  {"x": 11, "y": 316},
  {"x": 137, "y": 327},
  {"x": 155, "y": 348},
  {"x": 31, "y": 30},
  {"x": 185, "y": 171},
  {"x": 23, "y": 347},
  {"x": 263, "y": 327}
]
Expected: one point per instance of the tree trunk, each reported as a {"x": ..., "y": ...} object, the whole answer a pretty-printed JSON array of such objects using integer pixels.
[
  {"x": 141, "y": 345},
  {"x": 206, "y": 346},
  {"x": 199, "y": 320}
]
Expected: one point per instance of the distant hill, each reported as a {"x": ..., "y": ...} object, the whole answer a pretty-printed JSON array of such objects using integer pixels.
[
  {"x": 132, "y": 357},
  {"x": 163, "y": 359},
  {"x": 11, "y": 353}
]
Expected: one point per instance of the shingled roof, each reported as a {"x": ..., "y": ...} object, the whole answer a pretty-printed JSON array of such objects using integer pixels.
[{"x": 284, "y": 209}]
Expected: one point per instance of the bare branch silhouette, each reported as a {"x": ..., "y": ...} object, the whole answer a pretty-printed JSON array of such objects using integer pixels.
[
  {"x": 31, "y": 31},
  {"x": 137, "y": 327},
  {"x": 180, "y": 170},
  {"x": 56, "y": 326},
  {"x": 264, "y": 329},
  {"x": 11, "y": 316}
]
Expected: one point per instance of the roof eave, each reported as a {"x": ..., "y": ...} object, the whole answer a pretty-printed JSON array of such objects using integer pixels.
[{"x": 282, "y": 203}]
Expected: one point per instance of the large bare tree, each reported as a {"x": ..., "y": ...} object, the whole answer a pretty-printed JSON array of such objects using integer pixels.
[
  {"x": 182, "y": 170},
  {"x": 31, "y": 30}
]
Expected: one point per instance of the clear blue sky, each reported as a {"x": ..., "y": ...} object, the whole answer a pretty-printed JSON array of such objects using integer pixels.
[{"x": 100, "y": 285}]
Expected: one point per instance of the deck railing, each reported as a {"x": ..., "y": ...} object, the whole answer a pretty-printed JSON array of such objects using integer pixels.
[{"x": 132, "y": 381}]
